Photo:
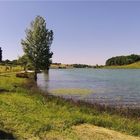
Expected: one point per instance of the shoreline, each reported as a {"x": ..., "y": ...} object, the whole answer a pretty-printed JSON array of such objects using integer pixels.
[{"x": 121, "y": 110}]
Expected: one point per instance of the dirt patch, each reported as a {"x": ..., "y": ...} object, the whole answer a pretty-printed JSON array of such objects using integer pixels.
[{"x": 22, "y": 75}]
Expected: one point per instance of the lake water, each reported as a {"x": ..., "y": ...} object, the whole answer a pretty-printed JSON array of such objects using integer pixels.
[{"x": 108, "y": 86}]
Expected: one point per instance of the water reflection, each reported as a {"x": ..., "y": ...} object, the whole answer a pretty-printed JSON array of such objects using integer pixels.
[{"x": 43, "y": 81}]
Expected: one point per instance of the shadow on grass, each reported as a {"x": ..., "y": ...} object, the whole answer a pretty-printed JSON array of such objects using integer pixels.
[
  {"x": 5, "y": 135},
  {"x": 3, "y": 90}
]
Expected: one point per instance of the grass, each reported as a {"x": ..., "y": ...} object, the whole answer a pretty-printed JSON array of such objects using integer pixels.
[
  {"x": 27, "y": 114},
  {"x": 9, "y": 69},
  {"x": 130, "y": 66}
]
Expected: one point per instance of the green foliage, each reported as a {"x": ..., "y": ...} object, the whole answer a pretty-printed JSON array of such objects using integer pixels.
[
  {"x": 37, "y": 44},
  {"x": 98, "y": 66},
  {"x": 23, "y": 61},
  {"x": 81, "y": 66},
  {"x": 9, "y": 62},
  {"x": 122, "y": 60}
]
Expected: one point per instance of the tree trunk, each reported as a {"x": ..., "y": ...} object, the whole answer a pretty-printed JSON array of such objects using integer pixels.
[
  {"x": 47, "y": 71},
  {"x": 35, "y": 75},
  {"x": 25, "y": 69}
]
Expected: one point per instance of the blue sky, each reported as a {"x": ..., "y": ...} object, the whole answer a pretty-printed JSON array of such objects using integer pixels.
[{"x": 84, "y": 31}]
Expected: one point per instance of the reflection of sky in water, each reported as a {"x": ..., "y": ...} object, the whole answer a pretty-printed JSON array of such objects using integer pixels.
[{"x": 112, "y": 86}]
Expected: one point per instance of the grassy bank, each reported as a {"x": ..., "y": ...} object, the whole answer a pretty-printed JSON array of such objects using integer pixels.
[
  {"x": 27, "y": 114},
  {"x": 130, "y": 66}
]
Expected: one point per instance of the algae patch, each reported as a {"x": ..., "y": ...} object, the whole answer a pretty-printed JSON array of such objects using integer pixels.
[{"x": 71, "y": 91}]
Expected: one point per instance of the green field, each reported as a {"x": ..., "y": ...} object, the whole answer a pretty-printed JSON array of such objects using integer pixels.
[
  {"x": 26, "y": 113},
  {"x": 135, "y": 65}
]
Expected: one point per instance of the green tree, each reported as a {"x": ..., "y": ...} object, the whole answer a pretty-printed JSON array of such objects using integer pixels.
[
  {"x": 37, "y": 45},
  {"x": 0, "y": 54},
  {"x": 123, "y": 60}
]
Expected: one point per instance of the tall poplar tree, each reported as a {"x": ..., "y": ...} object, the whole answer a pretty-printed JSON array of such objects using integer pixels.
[
  {"x": 0, "y": 54},
  {"x": 36, "y": 45}
]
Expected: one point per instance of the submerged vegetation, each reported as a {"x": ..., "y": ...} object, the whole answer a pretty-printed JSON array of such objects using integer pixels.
[
  {"x": 27, "y": 112},
  {"x": 71, "y": 91}
]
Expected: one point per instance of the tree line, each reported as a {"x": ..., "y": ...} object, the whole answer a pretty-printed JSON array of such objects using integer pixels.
[
  {"x": 81, "y": 66},
  {"x": 123, "y": 60}
]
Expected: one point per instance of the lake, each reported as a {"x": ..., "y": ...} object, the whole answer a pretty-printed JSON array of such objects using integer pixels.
[{"x": 119, "y": 87}]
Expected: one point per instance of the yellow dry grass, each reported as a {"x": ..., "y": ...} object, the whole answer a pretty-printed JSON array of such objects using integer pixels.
[
  {"x": 9, "y": 69},
  {"x": 91, "y": 132}
]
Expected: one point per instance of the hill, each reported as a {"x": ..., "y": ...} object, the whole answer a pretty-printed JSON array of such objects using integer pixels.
[
  {"x": 122, "y": 60},
  {"x": 135, "y": 65}
]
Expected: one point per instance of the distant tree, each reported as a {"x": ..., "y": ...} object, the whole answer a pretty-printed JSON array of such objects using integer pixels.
[
  {"x": 123, "y": 60},
  {"x": 37, "y": 45},
  {"x": 14, "y": 62},
  {"x": 81, "y": 66},
  {"x": 0, "y": 54},
  {"x": 7, "y": 61}
]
